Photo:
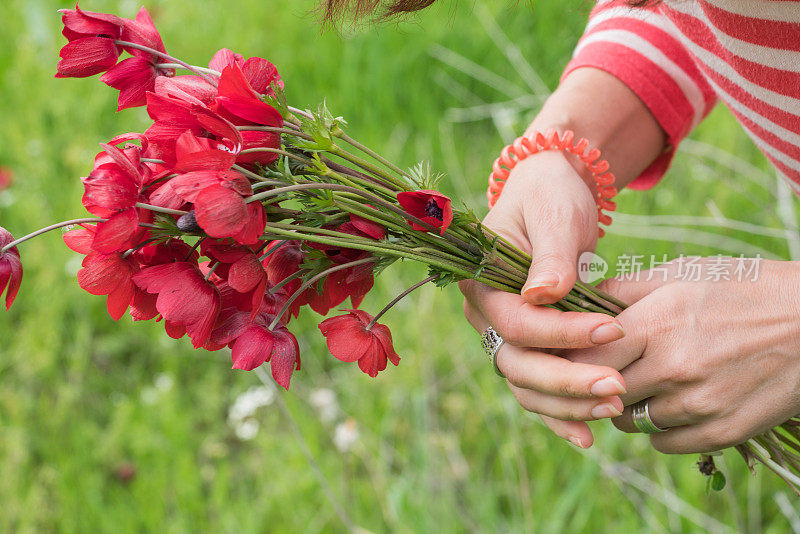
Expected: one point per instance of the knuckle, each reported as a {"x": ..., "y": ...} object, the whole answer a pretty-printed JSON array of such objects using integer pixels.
[
  {"x": 701, "y": 404},
  {"x": 510, "y": 327},
  {"x": 567, "y": 388},
  {"x": 573, "y": 412},
  {"x": 550, "y": 257},
  {"x": 559, "y": 336}
]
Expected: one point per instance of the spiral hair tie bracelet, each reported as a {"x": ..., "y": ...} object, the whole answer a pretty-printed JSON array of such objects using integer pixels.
[{"x": 535, "y": 142}]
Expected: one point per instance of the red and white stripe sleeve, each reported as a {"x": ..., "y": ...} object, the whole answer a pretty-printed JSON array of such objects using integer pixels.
[{"x": 640, "y": 47}]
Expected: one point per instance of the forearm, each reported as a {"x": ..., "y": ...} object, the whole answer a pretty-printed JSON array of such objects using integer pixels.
[{"x": 599, "y": 107}]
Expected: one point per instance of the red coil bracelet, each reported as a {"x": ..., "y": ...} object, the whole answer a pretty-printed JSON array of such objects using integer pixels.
[{"x": 524, "y": 146}]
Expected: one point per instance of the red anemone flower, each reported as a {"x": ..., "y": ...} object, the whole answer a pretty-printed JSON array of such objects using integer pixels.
[
  {"x": 136, "y": 76},
  {"x": 91, "y": 48},
  {"x": 186, "y": 300},
  {"x": 431, "y": 206},
  {"x": 237, "y": 102},
  {"x": 109, "y": 274},
  {"x": 253, "y": 343},
  {"x": 10, "y": 268},
  {"x": 349, "y": 341},
  {"x": 259, "y": 73}
]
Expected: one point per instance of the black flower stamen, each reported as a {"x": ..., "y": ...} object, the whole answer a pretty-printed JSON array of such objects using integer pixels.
[{"x": 432, "y": 209}]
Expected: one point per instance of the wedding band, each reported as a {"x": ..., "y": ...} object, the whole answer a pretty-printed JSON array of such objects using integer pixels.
[
  {"x": 641, "y": 418},
  {"x": 491, "y": 342}
]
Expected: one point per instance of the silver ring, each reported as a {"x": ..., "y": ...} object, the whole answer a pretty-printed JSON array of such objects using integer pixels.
[
  {"x": 641, "y": 418},
  {"x": 491, "y": 342}
]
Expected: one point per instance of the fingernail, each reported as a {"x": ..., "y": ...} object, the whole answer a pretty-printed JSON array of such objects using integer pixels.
[
  {"x": 577, "y": 442},
  {"x": 547, "y": 279},
  {"x": 601, "y": 411},
  {"x": 606, "y": 333},
  {"x": 607, "y": 387}
]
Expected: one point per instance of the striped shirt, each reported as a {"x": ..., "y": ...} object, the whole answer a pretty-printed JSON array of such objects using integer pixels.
[{"x": 680, "y": 56}]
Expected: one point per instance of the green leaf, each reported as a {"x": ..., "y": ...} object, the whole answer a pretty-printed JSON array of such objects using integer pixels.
[
  {"x": 423, "y": 177},
  {"x": 717, "y": 481}
]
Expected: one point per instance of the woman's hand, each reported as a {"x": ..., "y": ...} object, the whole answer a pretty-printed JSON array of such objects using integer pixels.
[
  {"x": 547, "y": 207},
  {"x": 719, "y": 361}
]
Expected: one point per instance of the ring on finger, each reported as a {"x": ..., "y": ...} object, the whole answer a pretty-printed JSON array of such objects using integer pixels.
[
  {"x": 640, "y": 414},
  {"x": 491, "y": 342}
]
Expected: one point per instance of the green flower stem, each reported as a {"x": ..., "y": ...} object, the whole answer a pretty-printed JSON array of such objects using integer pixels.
[
  {"x": 372, "y": 198},
  {"x": 253, "y": 176},
  {"x": 353, "y": 173},
  {"x": 570, "y": 306},
  {"x": 357, "y": 208},
  {"x": 159, "y": 209},
  {"x": 192, "y": 69},
  {"x": 272, "y": 129},
  {"x": 589, "y": 295},
  {"x": 397, "y": 299},
  {"x": 274, "y": 289},
  {"x": 169, "y": 58},
  {"x": 585, "y": 304},
  {"x": 275, "y": 229},
  {"x": 602, "y": 294},
  {"x": 367, "y": 166},
  {"x": 310, "y": 282},
  {"x": 346, "y": 240},
  {"x": 212, "y": 269},
  {"x": 361, "y": 184},
  {"x": 46, "y": 229},
  {"x": 301, "y": 159},
  {"x": 371, "y": 153}
]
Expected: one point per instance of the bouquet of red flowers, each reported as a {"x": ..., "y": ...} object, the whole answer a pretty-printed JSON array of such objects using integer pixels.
[{"x": 234, "y": 210}]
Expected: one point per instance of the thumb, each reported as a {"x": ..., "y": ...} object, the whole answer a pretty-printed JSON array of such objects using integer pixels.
[{"x": 557, "y": 238}]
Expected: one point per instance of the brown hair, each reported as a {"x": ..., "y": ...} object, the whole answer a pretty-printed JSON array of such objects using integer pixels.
[{"x": 333, "y": 10}]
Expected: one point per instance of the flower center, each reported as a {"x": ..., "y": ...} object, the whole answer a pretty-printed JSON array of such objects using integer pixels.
[{"x": 432, "y": 209}]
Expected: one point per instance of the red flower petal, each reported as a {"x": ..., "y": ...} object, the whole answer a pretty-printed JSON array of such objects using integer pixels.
[
  {"x": 189, "y": 88},
  {"x": 112, "y": 234},
  {"x": 246, "y": 274},
  {"x": 110, "y": 188},
  {"x": 224, "y": 57},
  {"x": 134, "y": 77},
  {"x": 261, "y": 75},
  {"x": 119, "y": 299},
  {"x": 79, "y": 22},
  {"x": 142, "y": 31},
  {"x": 185, "y": 298},
  {"x": 251, "y": 233},
  {"x": 102, "y": 274},
  {"x": 431, "y": 206},
  {"x": 220, "y": 211},
  {"x": 285, "y": 357},
  {"x": 349, "y": 340},
  {"x": 143, "y": 305},
  {"x": 368, "y": 228},
  {"x": 80, "y": 239},
  {"x": 86, "y": 57},
  {"x": 200, "y": 154},
  {"x": 252, "y": 348},
  {"x": 10, "y": 269}
]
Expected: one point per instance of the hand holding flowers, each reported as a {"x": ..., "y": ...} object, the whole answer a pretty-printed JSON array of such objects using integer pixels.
[{"x": 234, "y": 210}]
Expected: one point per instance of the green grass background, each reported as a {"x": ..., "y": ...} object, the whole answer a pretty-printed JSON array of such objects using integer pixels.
[{"x": 442, "y": 446}]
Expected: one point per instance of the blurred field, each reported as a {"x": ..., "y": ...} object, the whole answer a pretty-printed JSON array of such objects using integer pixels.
[{"x": 110, "y": 427}]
